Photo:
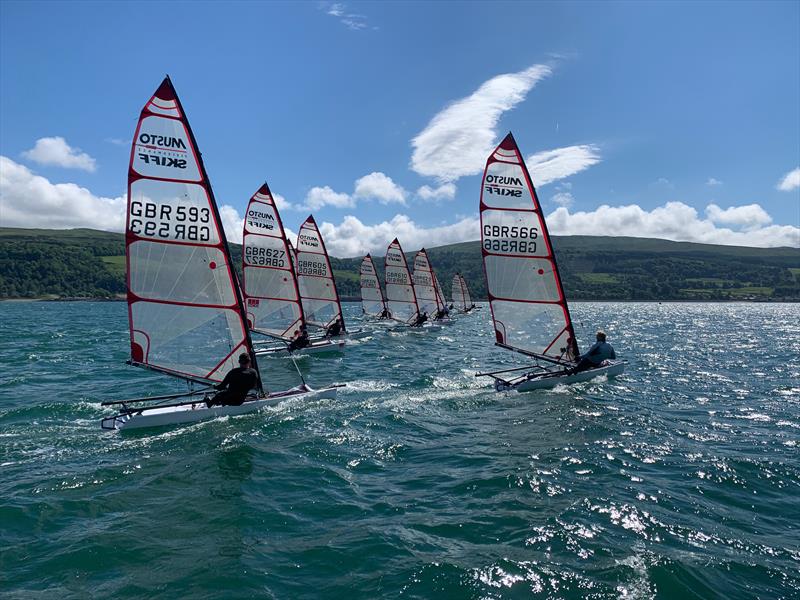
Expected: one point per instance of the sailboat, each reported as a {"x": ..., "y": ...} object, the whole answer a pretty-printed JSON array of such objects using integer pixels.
[
  {"x": 527, "y": 301},
  {"x": 460, "y": 294},
  {"x": 271, "y": 289},
  {"x": 426, "y": 285},
  {"x": 185, "y": 310},
  {"x": 401, "y": 297},
  {"x": 373, "y": 304}
]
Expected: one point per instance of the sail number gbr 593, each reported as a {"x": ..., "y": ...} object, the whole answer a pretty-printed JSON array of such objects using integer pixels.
[
  {"x": 190, "y": 223},
  {"x": 511, "y": 239}
]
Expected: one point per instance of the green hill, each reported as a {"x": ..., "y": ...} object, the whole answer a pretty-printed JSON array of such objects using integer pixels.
[{"x": 88, "y": 263}]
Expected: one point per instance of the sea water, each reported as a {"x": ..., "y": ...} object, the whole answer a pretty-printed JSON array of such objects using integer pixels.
[{"x": 679, "y": 479}]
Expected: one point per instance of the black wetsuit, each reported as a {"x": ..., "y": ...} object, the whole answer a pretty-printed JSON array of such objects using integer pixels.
[
  {"x": 299, "y": 342},
  {"x": 334, "y": 329},
  {"x": 237, "y": 383},
  {"x": 420, "y": 320}
]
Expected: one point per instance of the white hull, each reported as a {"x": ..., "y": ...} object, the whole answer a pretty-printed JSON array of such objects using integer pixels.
[
  {"x": 549, "y": 380},
  {"x": 198, "y": 411},
  {"x": 336, "y": 344}
]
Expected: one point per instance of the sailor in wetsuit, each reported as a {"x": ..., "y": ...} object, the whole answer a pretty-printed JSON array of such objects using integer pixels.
[
  {"x": 385, "y": 314},
  {"x": 335, "y": 328},
  {"x": 421, "y": 318},
  {"x": 237, "y": 383},
  {"x": 592, "y": 359},
  {"x": 300, "y": 340}
]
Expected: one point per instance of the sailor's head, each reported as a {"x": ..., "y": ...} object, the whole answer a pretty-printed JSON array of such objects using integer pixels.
[
  {"x": 244, "y": 359},
  {"x": 601, "y": 335}
]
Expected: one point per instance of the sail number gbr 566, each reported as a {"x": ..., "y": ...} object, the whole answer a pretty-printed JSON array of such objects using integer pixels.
[{"x": 511, "y": 239}]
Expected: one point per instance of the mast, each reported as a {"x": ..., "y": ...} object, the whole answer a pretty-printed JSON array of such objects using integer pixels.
[
  {"x": 185, "y": 313},
  {"x": 526, "y": 296}
]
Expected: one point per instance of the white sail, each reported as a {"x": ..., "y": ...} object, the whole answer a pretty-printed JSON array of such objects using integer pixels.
[
  {"x": 184, "y": 306},
  {"x": 315, "y": 280},
  {"x": 401, "y": 300},
  {"x": 465, "y": 292},
  {"x": 372, "y": 301},
  {"x": 458, "y": 287},
  {"x": 525, "y": 293},
  {"x": 424, "y": 285},
  {"x": 270, "y": 284}
]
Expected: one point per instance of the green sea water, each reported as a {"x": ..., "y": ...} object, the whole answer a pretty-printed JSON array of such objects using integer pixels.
[{"x": 679, "y": 479}]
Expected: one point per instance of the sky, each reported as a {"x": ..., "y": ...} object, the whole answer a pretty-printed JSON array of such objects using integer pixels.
[{"x": 666, "y": 120}]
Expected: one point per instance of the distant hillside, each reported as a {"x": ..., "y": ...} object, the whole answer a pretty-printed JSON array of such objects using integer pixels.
[{"x": 88, "y": 263}]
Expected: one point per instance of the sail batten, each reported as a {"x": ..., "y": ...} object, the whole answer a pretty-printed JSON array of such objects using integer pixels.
[
  {"x": 401, "y": 299},
  {"x": 185, "y": 313},
  {"x": 270, "y": 283},
  {"x": 525, "y": 292},
  {"x": 372, "y": 301},
  {"x": 315, "y": 280}
]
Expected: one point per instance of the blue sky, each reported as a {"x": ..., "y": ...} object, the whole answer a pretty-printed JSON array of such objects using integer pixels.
[{"x": 673, "y": 120}]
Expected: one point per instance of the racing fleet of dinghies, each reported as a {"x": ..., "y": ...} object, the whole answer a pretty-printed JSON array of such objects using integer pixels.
[
  {"x": 190, "y": 318},
  {"x": 275, "y": 305},
  {"x": 186, "y": 313},
  {"x": 529, "y": 310}
]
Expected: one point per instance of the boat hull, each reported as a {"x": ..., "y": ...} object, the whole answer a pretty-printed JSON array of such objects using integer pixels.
[
  {"x": 329, "y": 345},
  {"x": 548, "y": 381},
  {"x": 198, "y": 411}
]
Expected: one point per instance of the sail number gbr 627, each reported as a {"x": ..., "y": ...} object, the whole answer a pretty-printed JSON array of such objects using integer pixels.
[{"x": 510, "y": 239}]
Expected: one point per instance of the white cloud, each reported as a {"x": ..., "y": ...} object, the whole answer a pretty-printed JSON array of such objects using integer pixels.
[
  {"x": 552, "y": 165},
  {"x": 353, "y": 21},
  {"x": 790, "y": 181},
  {"x": 458, "y": 139},
  {"x": 318, "y": 197},
  {"x": 446, "y": 191},
  {"x": 563, "y": 199},
  {"x": 118, "y": 141},
  {"x": 353, "y": 238},
  {"x": 232, "y": 223},
  {"x": 673, "y": 221},
  {"x": 381, "y": 187},
  {"x": 283, "y": 204},
  {"x": 747, "y": 217},
  {"x": 712, "y": 182},
  {"x": 56, "y": 151},
  {"x": 30, "y": 200}
]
